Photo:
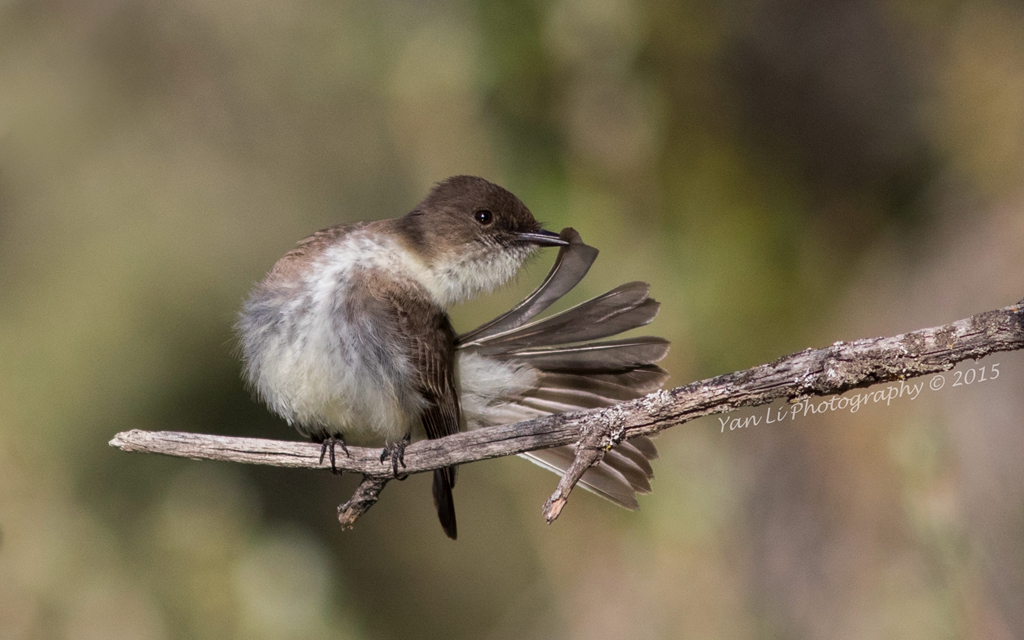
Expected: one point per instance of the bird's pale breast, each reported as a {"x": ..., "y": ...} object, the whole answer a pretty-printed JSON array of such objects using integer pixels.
[{"x": 315, "y": 355}]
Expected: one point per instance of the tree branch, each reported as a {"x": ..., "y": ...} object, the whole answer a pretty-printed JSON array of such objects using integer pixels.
[
  {"x": 812, "y": 372},
  {"x": 365, "y": 496}
]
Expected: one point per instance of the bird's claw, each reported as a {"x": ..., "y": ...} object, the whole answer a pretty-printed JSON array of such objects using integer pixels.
[
  {"x": 395, "y": 452},
  {"x": 328, "y": 445}
]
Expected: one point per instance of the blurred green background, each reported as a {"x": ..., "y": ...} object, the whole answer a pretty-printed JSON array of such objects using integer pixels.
[{"x": 786, "y": 173}]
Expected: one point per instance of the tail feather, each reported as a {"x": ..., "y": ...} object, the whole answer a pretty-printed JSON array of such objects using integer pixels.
[
  {"x": 639, "y": 479},
  {"x": 596, "y": 357},
  {"x": 637, "y": 457},
  {"x": 548, "y": 406},
  {"x": 602, "y": 479},
  {"x": 611, "y": 390},
  {"x": 571, "y": 397},
  {"x": 443, "y": 501},
  {"x": 645, "y": 446},
  {"x": 642, "y": 380}
]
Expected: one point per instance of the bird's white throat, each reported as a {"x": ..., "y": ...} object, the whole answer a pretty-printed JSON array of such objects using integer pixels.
[
  {"x": 449, "y": 277},
  {"x": 459, "y": 275}
]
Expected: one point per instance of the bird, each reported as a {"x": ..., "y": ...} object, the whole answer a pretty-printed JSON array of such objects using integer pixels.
[{"x": 348, "y": 337}]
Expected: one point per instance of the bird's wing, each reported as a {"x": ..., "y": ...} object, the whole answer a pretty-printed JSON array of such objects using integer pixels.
[
  {"x": 621, "y": 309},
  {"x": 406, "y": 314},
  {"x": 430, "y": 341},
  {"x": 432, "y": 346},
  {"x": 434, "y": 355},
  {"x": 570, "y": 266},
  {"x": 554, "y": 366}
]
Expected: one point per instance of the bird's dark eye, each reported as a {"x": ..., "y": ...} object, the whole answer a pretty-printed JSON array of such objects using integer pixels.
[{"x": 484, "y": 217}]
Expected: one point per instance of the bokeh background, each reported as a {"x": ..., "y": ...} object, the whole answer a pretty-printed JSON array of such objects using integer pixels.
[{"x": 786, "y": 173}]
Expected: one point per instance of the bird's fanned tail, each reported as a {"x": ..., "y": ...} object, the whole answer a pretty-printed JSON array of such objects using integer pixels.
[{"x": 514, "y": 369}]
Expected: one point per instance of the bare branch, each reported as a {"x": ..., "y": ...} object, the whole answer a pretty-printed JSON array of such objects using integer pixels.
[
  {"x": 589, "y": 452},
  {"x": 365, "y": 496},
  {"x": 813, "y": 372}
]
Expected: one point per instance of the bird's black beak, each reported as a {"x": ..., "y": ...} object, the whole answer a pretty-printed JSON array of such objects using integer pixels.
[{"x": 543, "y": 238}]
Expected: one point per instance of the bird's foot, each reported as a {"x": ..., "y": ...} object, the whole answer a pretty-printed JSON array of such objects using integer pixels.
[
  {"x": 395, "y": 452},
  {"x": 328, "y": 445}
]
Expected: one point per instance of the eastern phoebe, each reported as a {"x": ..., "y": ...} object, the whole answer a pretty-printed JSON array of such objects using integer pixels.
[{"x": 347, "y": 338}]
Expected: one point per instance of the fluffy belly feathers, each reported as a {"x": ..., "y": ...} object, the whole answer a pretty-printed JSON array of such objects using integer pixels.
[{"x": 318, "y": 364}]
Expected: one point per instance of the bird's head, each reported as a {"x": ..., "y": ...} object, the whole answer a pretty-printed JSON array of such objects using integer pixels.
[{"x": 472, "y": 236}]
